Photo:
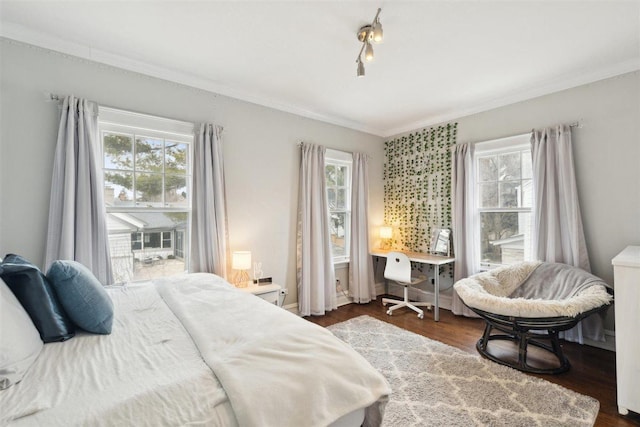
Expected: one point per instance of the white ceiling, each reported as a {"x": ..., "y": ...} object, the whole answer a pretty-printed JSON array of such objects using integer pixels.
[{"x": 440, "y": 59}]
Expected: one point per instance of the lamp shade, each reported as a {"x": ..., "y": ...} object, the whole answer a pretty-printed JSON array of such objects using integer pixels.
[
  {"x": 241, "y": 260},
  {"x": 386, "y": 232}
]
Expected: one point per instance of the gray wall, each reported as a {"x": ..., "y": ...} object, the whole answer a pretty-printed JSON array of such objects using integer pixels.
[
  {"x": 261, "y": 157},
  {"x": 606, "y": 152}
]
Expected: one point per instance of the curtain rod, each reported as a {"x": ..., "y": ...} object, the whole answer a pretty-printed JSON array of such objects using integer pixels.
[
  {"x": 577, "y": 125},
  {"x": 56, "y": 97}
]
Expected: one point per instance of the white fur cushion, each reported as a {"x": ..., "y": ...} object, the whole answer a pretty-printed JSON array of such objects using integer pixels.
[{"x": 489, "y": 291}]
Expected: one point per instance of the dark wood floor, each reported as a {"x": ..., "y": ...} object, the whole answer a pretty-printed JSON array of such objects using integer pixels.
[{"x": 592, "y": 372}]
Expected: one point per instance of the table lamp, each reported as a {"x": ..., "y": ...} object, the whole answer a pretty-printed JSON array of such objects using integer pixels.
[
  {"x": 386, "y": 233},
  {"x": 241, "y": 261}
]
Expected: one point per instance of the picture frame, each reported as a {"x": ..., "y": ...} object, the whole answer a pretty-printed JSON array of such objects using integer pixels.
[{"x": 441, "y": 242}]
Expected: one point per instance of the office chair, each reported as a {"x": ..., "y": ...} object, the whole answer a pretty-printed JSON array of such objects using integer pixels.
[{"x": 398, "y": 269}]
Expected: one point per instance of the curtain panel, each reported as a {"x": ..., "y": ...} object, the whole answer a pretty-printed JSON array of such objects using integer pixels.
[
  {"x": 361, "y": 281},
  {"x": 209, "y": 232},
  {"x": 77, "y": 228},
  {"x": 559, "y": 235},
  {"x": 315, "y": 274},
  {"x": 465, "y": 235}
]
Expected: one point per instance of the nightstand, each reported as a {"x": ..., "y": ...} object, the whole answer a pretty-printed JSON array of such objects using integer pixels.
[{"x": 269, "y": 292}]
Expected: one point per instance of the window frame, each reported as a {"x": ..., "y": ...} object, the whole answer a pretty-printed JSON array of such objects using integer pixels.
[
  {"x": 513, "y": 144},
  {"x": 136, "y": 125},
  {"x": 341, "y": 159}
]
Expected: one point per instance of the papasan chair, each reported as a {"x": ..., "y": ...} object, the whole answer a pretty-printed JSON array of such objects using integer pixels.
[{"x": 530, "y": 303}]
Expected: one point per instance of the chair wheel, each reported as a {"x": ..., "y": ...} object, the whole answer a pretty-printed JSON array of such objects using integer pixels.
[
  {"x": 420, "y": 316},
  {"x": 389, "y": 312}
]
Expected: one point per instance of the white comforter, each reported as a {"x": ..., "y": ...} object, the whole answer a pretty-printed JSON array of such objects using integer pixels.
[{"x": 276, "y": 368}]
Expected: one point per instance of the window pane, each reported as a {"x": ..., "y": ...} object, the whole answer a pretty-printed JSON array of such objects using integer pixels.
[
  {"x": 149, "y": 154},
  {"x": 337, "y": 224},
  {"x": 175, "y": 157},
  {"x": 118, "y": 188},
  {"x": 175, "y": 190},
  {"x": 148, "y": 189},
  {"x": 488, "y": 169},
  {"x": 151, "y": 240},
  {"x": 331, "y": 193},
  {"x": 504, "y": 237},
  {"x": 509, "y": 192},
  {"x": 341, "y": 175},
  {"x": 118, "y": 151},
  {"x": 330, "y": 174},
  {"x": 488, "y": 195},
  {"x": 130, "y": 261},
  {"x": 166, "y": 239},
  {"x": 526, "y": 164},
  {"x": 509, "y": 166},
  {"x": 342, "y": 198}
]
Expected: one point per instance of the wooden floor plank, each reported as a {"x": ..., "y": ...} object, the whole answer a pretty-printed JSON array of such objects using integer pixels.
[{"x": 592, "y": 372}]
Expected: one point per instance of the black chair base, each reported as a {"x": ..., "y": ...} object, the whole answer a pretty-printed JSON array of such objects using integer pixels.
[{"x": 519, "y": 330}]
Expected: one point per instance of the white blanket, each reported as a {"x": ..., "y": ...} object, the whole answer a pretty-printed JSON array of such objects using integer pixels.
[{"x": 276, "y": 368}]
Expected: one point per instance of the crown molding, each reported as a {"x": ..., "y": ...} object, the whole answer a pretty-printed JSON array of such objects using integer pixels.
[{"x": 26, "y": 35}]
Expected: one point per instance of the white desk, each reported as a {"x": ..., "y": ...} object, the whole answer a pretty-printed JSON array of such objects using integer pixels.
[{"x": 435, "y": 260}]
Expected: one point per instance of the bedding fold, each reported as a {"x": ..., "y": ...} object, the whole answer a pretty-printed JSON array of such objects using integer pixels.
[{"x": 276, "y": 368}]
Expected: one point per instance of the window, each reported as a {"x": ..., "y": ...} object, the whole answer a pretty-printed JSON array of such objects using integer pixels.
[
  {"x": 338, "y": 181},
  {"x": 147, "y": 175},
  {"x": 504, "y": 200}
]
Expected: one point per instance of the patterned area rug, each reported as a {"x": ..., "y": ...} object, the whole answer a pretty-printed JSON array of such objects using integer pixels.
[{"x": 437, "y": 385}]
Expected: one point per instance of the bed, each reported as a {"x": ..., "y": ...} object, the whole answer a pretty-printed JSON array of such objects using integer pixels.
[{"x": 193, "y": 350}]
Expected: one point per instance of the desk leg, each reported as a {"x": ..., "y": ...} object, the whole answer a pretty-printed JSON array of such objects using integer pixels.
[{"x": 436, "y": 293}]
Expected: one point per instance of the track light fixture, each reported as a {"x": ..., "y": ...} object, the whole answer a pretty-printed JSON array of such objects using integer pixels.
[{"x": 366, "y": 35}]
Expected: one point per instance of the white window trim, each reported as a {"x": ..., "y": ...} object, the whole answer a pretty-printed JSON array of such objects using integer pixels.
[
  {"x": 487, "y": 148},
  {"x": 345, "y": 159}
]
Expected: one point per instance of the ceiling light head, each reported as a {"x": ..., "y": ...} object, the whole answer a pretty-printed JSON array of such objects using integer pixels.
[
  {"x": 368, "y": 51},
  {"x": 376, "y": 32},
  {"x": 360, "y": 68}
]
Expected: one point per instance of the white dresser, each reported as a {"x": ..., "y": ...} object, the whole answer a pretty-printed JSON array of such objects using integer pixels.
[{"x": 626, "y": 272}]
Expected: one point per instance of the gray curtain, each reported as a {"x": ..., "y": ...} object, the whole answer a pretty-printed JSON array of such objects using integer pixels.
[
  {"x": 361, "y": 282},
  {"x": 465, "y": 235},
  {"x": 315, "y": 275},
  {"x": 209, "y": 234},
  {"x": 77, "y": 217},
  {"x": 559, "y": 235}
]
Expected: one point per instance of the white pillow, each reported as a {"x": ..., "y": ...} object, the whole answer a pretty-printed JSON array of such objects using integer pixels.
[{"x": 20, "y": 342}]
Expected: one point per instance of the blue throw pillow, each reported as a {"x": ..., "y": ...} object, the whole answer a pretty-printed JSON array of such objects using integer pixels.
[
  {"x": 38, "y": 298},
  {"x": 82, "y": 296}
]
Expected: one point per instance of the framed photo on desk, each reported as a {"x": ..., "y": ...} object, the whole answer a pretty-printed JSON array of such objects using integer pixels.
[{"x": 441, "y": 242}]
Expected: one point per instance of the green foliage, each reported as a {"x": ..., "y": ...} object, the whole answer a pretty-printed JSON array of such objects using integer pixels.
[
  {"x": 153, "y": 160},
  {"x": 417, "y": 185}
]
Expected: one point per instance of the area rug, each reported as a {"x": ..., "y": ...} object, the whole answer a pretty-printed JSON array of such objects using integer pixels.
[{"x": 438, "y": 385}]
